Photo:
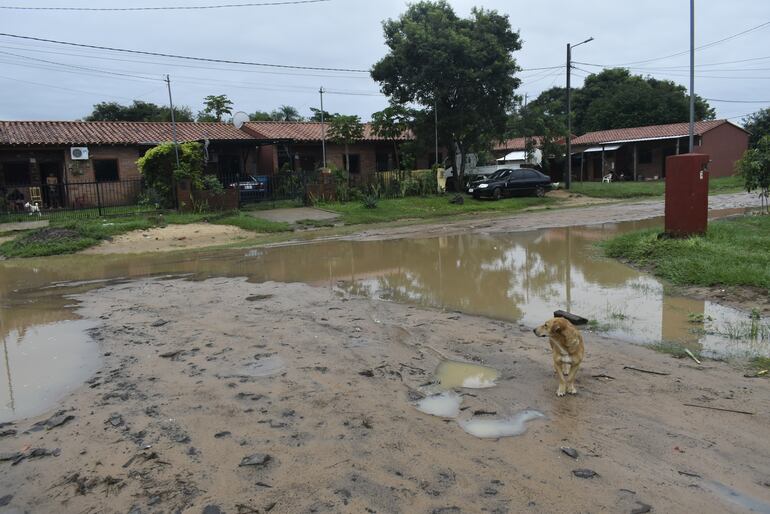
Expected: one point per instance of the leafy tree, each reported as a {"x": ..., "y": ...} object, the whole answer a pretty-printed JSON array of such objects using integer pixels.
[
  {"x": 159, "y": 169},
  {"x": 754, "y": 166},
  {"x": 328, "y": 116},
  {"x": 260, "y": 116},
  {"x": 215, "y": 107},
  {"x": 345, "y": 130},
  {"x": 392, "y": 123},
  {"x": 286, "y": 113},
  {"x": 137, "y": 111},
  {"x": 462, "y": 66},
  {"x": 758, "y": 124},
  {"x": 544, "y": 130}
]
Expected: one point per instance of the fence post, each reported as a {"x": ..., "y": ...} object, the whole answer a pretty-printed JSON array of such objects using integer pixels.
[{"x": 98, "y": 199}]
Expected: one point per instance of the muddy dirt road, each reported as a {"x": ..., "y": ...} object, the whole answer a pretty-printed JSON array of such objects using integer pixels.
[
  {"x": 549, "y": 218},
  {"x": 287, "y": 398}
]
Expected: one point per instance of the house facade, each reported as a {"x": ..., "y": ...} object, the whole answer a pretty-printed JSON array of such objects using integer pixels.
[
  {"x": 299, "y": 146},
  {"x": 81, "y": 164},
  {"x": 639, "y": 153}
]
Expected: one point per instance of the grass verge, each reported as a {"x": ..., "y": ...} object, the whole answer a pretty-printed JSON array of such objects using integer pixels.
[
  {"x": 354, "y": 213},
  {"x": 734, "y": 252},
  {"x": 69, "y": 236},
  {"x": 650, "y": 188}
]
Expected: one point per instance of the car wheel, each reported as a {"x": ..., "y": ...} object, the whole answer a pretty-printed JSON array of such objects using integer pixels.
[
  {"x": 497, "y": 193},
  {"x": 540, "y": 191}
]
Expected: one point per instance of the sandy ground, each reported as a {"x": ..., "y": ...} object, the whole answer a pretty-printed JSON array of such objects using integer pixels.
[
  {"x": 165, "y": 425},
  {"x": 172, "y": 237}
]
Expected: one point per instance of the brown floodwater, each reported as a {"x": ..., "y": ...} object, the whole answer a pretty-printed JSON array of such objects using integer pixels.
[{"x": 520, "y": 277}]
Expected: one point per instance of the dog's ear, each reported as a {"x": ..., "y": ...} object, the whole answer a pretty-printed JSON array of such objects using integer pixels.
[{"x": 556, "y": 326}]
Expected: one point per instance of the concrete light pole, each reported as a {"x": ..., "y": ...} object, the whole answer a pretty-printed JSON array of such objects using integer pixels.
[
  {"x": 568, "y": 181},
  {"x": 692, "y": 75}
]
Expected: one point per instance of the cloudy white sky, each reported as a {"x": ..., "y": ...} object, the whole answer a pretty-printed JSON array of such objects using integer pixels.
[{"x": 348, "y": 34}]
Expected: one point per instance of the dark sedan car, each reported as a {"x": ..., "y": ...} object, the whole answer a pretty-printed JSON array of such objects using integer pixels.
[
  {"x": 509, "y": 182},
  {"x": 252, "y": 187}
]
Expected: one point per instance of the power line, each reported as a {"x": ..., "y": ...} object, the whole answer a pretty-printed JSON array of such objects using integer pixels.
[
  {"x": 706, "y": 45},
  {"x": 85, "y": 68},
  {"x": 179, "y": 65},
  {"x": 185, "y": 57},
  {"x": 738, "y": 101},
  {"x": 160, "y": 8}
]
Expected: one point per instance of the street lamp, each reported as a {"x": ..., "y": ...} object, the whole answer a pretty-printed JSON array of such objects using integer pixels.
[{"x": 568, "y": 182}]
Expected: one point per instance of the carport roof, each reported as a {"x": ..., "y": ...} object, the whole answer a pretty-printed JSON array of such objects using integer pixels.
[{"x": 650, "y": 132}]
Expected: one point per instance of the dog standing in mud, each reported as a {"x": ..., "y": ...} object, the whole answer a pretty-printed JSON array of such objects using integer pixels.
[{"x": 567, "y": 348}]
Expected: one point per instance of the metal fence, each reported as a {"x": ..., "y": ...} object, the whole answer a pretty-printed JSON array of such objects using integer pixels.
[{"x": 73, "y": 199}]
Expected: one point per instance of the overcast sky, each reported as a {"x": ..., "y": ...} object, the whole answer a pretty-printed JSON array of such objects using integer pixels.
[{"x": 348, "y": 34}]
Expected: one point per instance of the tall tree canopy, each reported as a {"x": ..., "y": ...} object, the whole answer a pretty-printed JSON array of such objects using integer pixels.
[
  {"x": 286, "y": 113},
  {"x": 462, "y": 66},
  {"x": 758, "y": 124},
  {"x": 614, "y": 98},
  {"x": 137, "y": 111},
  {"x": 316, "y": 115},
  {"x": 392, "y": 123},
  {"x": 215, "y": 107}
]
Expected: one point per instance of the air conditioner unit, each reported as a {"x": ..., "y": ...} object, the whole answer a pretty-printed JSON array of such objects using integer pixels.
[{"x": 79, "y": 153}]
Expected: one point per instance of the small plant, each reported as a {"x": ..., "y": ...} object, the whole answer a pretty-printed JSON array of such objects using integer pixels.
[
  {"x": 697, "y": 317},
  {"x": 674, "y": 349},
  {"x": 369, "y": 201},
  {"x": 616, "y": 313},
  {"x": 212, "y": 184}
]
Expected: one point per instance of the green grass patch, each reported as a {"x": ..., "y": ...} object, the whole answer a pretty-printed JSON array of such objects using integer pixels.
[
  {"x": 315, "y": 223},
  {"x": 649, "y": 188},
  {"x": 675, "y": 350},
  {"x": 354, "y": 213},
  {"x": 247, "y": 222},
  {"x": 73, "y": 235},
  {"x": 760, "y": 363},
  {"x": 734, "y": 252}
]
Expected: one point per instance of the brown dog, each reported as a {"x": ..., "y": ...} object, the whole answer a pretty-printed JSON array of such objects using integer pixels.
[{"x": 567, "y": 347}]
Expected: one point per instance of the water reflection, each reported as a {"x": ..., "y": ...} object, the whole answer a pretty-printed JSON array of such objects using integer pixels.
[{"x": 517, "y": 277}]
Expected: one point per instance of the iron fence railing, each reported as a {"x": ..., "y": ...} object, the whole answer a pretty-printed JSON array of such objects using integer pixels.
[{"x": 73, "y": 199}]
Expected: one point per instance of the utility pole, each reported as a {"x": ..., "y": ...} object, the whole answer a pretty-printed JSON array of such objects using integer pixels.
[
  {"x": 568, "y": 181},
  {"x": 435, "y": 127},
  {"x": 692, "y": 75},
  {"x": 173, "y": 120},
  {"x": 323, "y": 127}
]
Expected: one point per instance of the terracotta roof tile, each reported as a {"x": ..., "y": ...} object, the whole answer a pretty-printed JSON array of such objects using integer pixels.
[
  {"x": 111, "y": 132},
  {"x": 301, "y": 130},
  {"x": 515, "y": 144},
  {"x": 649, "y": 132}
]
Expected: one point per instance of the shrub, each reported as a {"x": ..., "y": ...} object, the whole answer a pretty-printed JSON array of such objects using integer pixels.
[
  {"x": 159, "y": 169},
  {"x": 370, "y": 201}
]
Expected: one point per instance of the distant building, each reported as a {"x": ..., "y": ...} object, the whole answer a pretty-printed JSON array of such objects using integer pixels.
[{"x": 639, "y": 153}]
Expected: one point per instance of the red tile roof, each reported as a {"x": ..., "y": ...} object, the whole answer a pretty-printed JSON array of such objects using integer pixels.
[
  {"x": 651, "y": 132},
  {"x": 302, "y": 131},
  {"x": 111, "y": 132},
  {"x": 515, "y": 144}
]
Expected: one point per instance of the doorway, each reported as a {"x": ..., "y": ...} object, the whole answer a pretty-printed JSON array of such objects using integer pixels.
[{"x": 52, "y": 184}]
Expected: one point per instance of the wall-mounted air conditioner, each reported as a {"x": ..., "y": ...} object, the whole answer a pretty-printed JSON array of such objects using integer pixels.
[{"x": 79, "y": 153}]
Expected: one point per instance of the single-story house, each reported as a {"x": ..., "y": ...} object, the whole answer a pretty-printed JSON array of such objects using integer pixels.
[
  {"x": 639, "y": 153},
  {"x": 62, "y": 161},
  {"x": 516, "y": 144},
  {"x": 299, "y": 147},
  {"x": 69, "y": 163}
]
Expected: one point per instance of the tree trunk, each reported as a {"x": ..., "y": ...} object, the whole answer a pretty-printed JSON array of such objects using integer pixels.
[
  {"x": 460, "y": 171},
  {"x": 395, "y": 154},
  {"x": 347, "y": 162}
]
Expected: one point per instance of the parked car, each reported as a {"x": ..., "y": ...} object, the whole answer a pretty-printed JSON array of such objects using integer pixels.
[
  {"x": 252, "y": 186},
  {"x": 511, "y": 182}
]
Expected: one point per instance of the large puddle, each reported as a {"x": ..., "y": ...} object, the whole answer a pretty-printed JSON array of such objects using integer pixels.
[{"x": 519, "y": 277}]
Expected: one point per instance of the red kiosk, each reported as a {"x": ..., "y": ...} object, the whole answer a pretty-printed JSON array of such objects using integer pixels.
[{"x": 687, "y": 190}]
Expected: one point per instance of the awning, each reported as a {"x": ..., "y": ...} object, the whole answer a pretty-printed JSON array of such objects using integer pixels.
[
  {"x": 606, "y": 148},
  {"x": 514, "y": 156}
]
